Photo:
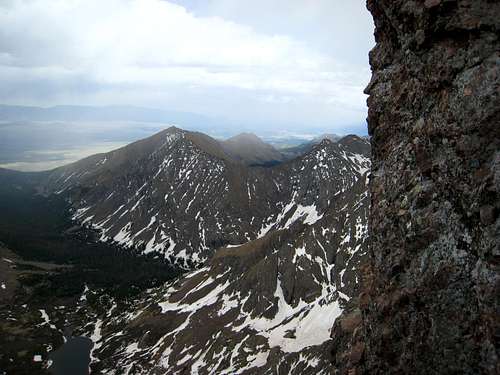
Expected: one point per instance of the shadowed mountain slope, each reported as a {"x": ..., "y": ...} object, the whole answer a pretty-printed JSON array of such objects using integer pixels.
[
  {"x": 178, "y": 193},
  {"x": 251, "y": 150},
  {"x": 273, "y": 254}
]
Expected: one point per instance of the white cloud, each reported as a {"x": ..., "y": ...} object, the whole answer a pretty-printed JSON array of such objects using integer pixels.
[{"x": 139, "y": 51}]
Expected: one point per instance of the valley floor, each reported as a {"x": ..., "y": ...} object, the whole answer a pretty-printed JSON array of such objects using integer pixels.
[{"x": 55, "y": 279}]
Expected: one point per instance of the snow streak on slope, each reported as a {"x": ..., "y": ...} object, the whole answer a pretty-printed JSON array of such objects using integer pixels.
[
  {"x": 266, "y": 306},
  {"x": 165, "y": 195},
  {"x": 174, "y": 195},
  {"x": 279, "y": 247}
]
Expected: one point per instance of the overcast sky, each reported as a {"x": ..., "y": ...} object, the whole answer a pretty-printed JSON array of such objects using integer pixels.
[{"x": 294, "y": 64}]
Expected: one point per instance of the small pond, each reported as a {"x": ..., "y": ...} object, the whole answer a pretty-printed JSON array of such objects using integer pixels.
[{"x": 73, "y": 357}]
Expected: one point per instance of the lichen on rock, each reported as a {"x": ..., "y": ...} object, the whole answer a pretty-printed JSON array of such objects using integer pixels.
[{"x": 430, "y": 301}]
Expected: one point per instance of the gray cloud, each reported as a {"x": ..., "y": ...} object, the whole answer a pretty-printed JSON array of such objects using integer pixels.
[{"x": 282, "y": 63}]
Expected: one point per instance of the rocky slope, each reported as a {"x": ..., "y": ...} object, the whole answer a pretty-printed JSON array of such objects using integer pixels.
[
  {"x": 430, "y": 303},
  {"x": 273, "y": 255},
  {"x": 180, "y": 194},
  {"x": 266, "y": 306},
  {"x": 279, "y": 249},
  {"x": 297, "y": 151}
]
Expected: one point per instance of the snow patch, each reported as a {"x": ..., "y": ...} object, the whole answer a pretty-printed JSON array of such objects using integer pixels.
[{"x": 46, "y": 319}]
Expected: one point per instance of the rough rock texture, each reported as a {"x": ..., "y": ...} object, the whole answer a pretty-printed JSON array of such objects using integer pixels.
[{"x": 431, "y": 297}]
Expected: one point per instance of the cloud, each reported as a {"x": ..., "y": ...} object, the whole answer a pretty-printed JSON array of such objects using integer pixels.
[
  {"x": 157, "y": 53},
  {"x": 340, "y": 28}
]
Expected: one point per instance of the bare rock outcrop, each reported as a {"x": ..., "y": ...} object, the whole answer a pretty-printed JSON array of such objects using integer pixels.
[{"x": 430, "y": 303}]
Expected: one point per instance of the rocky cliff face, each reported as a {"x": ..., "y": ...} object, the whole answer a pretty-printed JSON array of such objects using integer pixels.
[{"x": 431, "y": 298}]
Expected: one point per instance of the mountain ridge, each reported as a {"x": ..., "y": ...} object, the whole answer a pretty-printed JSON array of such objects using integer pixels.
[
  {"x": 270, "y": 296},
  {"x": 270, "y": 255},
  {"x": 252, "y": 192}
]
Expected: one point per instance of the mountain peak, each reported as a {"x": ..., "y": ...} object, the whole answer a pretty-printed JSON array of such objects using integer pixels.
[
  {"x": 171, "y": 130},
  {"x": 174, "y": 129},
  {"x": 356, "y": 144},
  {"x": 324, "y": 144},
  {"x": 330, "y": 136},
  {"x": 250, "y": 149},
  {"x": 351, "y": 138},
  {"x": 325, "y": 141},
  {"x": 245, "y": 137}
]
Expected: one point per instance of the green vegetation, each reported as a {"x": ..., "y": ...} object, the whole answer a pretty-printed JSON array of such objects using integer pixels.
[{"x": 37, "y": 229}]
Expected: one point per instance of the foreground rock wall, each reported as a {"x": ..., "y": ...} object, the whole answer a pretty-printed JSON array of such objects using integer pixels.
[{"x": 431, "y": 298}]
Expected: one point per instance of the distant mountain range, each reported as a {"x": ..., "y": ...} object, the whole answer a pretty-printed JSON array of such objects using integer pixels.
[{"x": 35, "y": 138}]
